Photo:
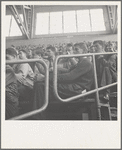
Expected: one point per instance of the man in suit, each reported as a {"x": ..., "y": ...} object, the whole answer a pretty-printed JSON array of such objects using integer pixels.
[
  {"x": 106, "y": 68},
  {"x": 78, "y": 79}
]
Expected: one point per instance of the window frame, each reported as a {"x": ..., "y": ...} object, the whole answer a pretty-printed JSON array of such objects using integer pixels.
[
  {"x": 65, "y": 8},
  {"x": 16, "y": 36},
  {"x": 107, "y": 31}
]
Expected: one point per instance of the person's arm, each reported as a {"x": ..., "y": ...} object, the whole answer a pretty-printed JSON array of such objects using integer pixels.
[
  {"x": 102, "y": 60},
  {"x": 80, "y": 70},
  {"x": 40, "y": 68},
  {"x": 23, "y": 70},
  {"x": 22, "y": 73},
  {"x": 73, "y": 61}
]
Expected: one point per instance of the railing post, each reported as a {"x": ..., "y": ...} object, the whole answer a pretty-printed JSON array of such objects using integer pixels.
[
  {"x": 33, "y": 112},
  {"x": 96, "y": 87}
]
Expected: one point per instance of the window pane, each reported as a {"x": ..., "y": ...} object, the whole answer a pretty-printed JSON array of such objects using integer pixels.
[
  {"x": 83, "y": 21},
  {"x": 69, "y": 21},
  {"x": 15, "y": 30},
  {"x": 8, "y": 19},
  {"x": 42, "y": 23},
  {"x": 56, "y": 22},
  {"x": 97, "y": 20},
  {"x": 12, "y": 29}
]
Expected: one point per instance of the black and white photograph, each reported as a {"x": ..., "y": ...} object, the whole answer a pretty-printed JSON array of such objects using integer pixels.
[{"x": 60, "y": 74}]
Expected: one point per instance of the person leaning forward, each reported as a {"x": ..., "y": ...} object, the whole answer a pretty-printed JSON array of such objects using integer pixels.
[{"x": 72, "y": 83}]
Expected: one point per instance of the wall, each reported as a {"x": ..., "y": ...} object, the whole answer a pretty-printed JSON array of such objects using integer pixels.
[{"x": 50, "y": 40}]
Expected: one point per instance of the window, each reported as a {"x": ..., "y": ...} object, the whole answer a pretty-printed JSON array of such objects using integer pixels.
[
  {"x": 83, "y": 21},
  {"x": 12, "y": 28},
  {"x": 69, "y": 21},
  {"x": 55, "y": 22},
  {"x": 42, "y": 24},
  {"x": 97, "y": 20},
  {"x": 89, "y": 20}
]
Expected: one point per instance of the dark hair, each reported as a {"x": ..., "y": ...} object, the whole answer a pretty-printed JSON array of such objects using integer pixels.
[
  {"x": 69, "y": 45},
  {"x": 37, "y": 51},
  {"x": 52, "y": 48},
  {"x": 24, "y": 51},
  {"x": 99, "y": 42},
  {"x": 11, "y": 51},
  {"x": 82, "y": 46}
]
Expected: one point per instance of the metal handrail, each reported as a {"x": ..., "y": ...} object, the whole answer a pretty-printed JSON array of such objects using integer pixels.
[
  {"x": 80, "y": 95},
  {"x": 46, "y": 87},
  {"x": 96, "y": 90}
]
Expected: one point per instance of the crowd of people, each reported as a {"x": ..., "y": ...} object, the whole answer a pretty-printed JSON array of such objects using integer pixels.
[
  {"x": 25, "y": 82},
  {"x": 109, "y": 46}
]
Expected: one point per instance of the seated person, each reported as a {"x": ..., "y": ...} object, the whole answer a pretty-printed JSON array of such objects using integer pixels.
[
  {"x": 24, "y": 75},
  {"x": 12, "y": 95},
  {"x": 25, "y": 70},
  {"x": 30, "y": 56},
  {"x": 78, "y": 80},
  {"x": 39, "y": 69},
  {"x": 67, "y": 63},
  {"x": 50, "y": 52},
  {"x": 105, "y": 67},
  {"x": 37, "y": 54}
]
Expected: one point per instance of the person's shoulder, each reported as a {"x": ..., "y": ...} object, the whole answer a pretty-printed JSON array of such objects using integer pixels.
[
  {"x": 45, "y": 60},
  {"x": 9, "y": 68},
  {"x": 87, "y": 61}
]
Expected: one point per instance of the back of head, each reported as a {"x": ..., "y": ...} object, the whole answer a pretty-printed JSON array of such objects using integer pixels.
[
  {"x": 11, "y": 51},
  {"x": 24, "y": 51},
  {"x": 69, "y": 45},
  {"x": 37, "y": 51},
  {"x": 99, "y": 42}
]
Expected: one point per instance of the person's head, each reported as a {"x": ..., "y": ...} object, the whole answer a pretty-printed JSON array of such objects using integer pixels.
[
  {"x": 69, "y": 48},
  {"x": 50, "y": 51},
  {"x": 37, "y": 53},
  {"x": 30, "y": 53},
  {"x": 99, "y": 46},
  {"x": 11, "y": 54},
  {"x": 22, "y": 54},
  {"x": 92, "y": 49},
  {"x": 80, "y": 48}
]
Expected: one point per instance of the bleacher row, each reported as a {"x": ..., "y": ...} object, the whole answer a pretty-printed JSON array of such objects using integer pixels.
[
  {"x": 110, "y": 46},
  {"x": 75, "y": 75}
]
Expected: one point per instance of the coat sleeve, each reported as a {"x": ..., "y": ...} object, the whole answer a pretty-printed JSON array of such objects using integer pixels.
[
  {"x": 23, "y": 68},
  {"x": 77, "y": 72}
]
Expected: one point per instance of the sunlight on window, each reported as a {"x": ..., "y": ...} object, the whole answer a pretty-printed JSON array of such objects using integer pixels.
[
  {"x": 55, "y": 22},
  {"x": 97, "y": 20},
  {"x": 8, "y": 20},
  {"x": 12, "y": 29},
  {"x": 83, "y": 21},
  {"x": 42, "y": 23},
  {"x": 69, "y": 21},
  {"x": 15, "y": 30}
]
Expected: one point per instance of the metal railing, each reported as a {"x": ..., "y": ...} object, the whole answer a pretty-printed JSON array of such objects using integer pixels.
[
  {"x": 46, "y": 87},
  {"x": 96, "y": 90}
]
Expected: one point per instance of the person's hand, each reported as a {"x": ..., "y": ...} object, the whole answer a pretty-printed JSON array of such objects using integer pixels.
[
  {"x": 20, "y": 78},
  {"x": 39, "y": 77}
]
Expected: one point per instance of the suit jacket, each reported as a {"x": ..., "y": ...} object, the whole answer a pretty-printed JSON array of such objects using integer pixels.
[{"x": 78, "y": 79}]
